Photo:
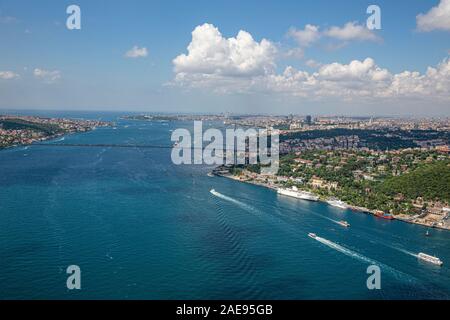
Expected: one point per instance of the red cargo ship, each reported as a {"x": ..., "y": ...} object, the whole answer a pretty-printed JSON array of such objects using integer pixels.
[{"x": 384, "y": 215}]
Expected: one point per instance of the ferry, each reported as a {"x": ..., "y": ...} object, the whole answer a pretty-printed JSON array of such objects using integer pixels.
[
  {"x": 295, "y": 193},
  {"x": 312, "y": 235},
  {"x": 384, "y": 215},
  {"x": 344, "y": 223},
  {"x": 430, "y": 259},
  {"x": 337, "y": 203}
]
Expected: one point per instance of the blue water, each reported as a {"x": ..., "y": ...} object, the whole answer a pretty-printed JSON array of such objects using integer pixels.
[{"x": 140, "y": 227}]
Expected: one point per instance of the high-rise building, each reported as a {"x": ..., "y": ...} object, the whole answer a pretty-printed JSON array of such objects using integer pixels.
[{"x": 308, "y": 120}]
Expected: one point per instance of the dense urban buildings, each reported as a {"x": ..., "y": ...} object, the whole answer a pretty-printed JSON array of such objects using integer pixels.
[
  {"x": 397, "y": 167},
  {"x": 23, "y": 130}
]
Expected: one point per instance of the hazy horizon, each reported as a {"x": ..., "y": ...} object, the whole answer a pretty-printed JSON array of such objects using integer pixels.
[
  {"x": 302, "y": 58},
  {"x": 143, "y": 112}
]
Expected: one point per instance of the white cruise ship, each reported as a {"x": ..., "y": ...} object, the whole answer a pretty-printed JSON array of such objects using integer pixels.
[
  {"x": 337, "y": 203},
  {"x": 430, "y": 259},
  {"x": 295, "y": 193}
]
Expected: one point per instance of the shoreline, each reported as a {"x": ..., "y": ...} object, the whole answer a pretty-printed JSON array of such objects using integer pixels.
[
  {"x": 37, "y": 140},
  {"x": 26, "y": 130},
  {"x": 321, "y": 200},
  {"x": 48, "y": 138}
]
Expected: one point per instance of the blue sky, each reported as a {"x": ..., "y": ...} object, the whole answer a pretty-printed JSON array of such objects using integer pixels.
[{"x": 45, "y": 65}]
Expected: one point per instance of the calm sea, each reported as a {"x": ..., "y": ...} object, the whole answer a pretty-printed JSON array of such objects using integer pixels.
[{"x": 140, "y": 227}]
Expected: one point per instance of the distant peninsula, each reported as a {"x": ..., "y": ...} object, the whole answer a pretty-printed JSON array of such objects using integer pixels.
[{"x": 24, "y": 130}]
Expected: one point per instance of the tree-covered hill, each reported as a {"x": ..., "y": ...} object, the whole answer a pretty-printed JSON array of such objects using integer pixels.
[
  {"x": 19, "y": 124},
  {"x": 430, "y": 181}
]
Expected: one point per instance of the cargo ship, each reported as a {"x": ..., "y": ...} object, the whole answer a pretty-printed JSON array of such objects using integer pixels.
[
  {"x": 295, "y": 193},
  {"x": 430, "y": 259},
  {"x": 384, "y": 215}
]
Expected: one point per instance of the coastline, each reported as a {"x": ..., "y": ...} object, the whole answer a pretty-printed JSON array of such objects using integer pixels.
[
  {"x": 26, "y": 130},
  {"x": 34, "y": 141},
  {"x": 48, "y": 138},
  {"x": 349, "y": 207}
]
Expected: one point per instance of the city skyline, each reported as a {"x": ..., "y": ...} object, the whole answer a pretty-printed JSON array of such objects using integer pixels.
[
  {"x": 300, "y": 58},
  {"x": 227, "y": 158}
]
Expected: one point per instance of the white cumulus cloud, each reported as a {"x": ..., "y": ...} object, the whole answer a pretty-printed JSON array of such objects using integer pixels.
[
  {"x": 297, "y": 53},
  {"x": 434, "y": 82},
  {"x": 243, "y": 65},
  {"x": 8, "y": 75},
  {"x": 351, "y": 31},
  {"x": 212, "y": 55},
  {"x": 356, "y": 79},
  {"x": 438, "y": 18},
  {"x": 47, "y": 75},
  {"x": 305, "y": 37},
  {"x": 313, "y": 63},
  {"x": 137, "y": 52},
  {"x": 364, "y": 79}
]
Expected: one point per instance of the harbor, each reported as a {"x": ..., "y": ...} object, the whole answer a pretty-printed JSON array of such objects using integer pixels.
[{"x": 307, "y": 195}]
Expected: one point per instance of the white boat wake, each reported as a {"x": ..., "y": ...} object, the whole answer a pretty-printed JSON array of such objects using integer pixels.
[
  {"x": 234, "y": 201},
  {"x": 404, "y": 251},
  {"x": 329, "y": 219},
  {"x": 379, "y": 241},
  {"x": 398, "y": 274},
  {"x": 345, "y": 251}
]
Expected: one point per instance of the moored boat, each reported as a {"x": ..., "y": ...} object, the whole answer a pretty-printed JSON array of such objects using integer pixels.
[
  {"x": 337, "y": 203},
  {"x": 295, "y": 193},
  {"x": 384, "y": 215}
]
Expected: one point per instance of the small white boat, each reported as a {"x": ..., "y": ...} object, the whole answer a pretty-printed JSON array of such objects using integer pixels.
[
  {"x": 312, "y": 235},
  {"x": 344, "y": 223},
  {"x": 430, "y": 259}
]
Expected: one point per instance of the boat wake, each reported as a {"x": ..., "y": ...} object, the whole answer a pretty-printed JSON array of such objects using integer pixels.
[
  {"x": 329, "y": 219},
  {"x": 379, "y": 241},
  {"x": 234, "y": 201},
  {"x": 397, "y": 274},
  {"x": 346, "y": 251},
  {"x": 404, "y": 251},
  {"x": 244, "y": 269}
]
